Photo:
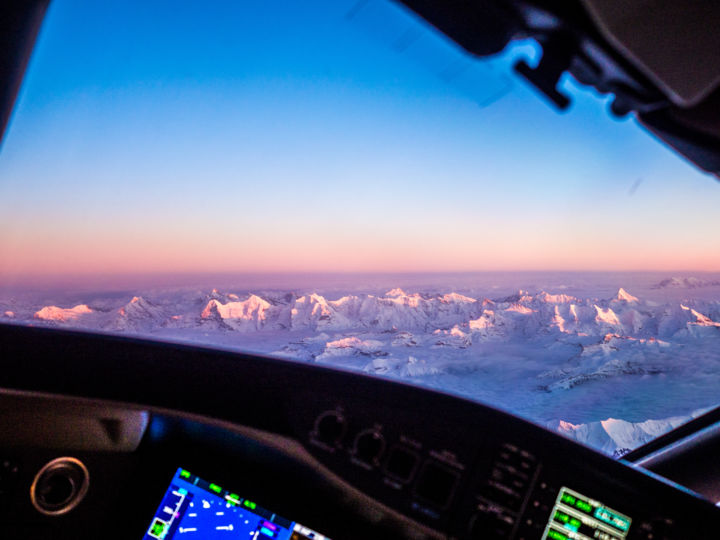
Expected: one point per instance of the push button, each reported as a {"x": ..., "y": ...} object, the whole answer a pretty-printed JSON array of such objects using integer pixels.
[
  {"x": 401, "y": 464},
  {"x": 436, "y": 484}
]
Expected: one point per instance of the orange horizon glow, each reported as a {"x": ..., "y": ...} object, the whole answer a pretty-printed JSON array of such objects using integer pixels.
[
  {"x": 315, "y": 163},
  {"x": 361, "y": 259},
  {"x": 346, "y": 249}
]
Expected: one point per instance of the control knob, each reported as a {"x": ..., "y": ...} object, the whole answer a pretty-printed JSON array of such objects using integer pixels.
[
  {"x": 369, "y": 447},
  {"x": 330, "y": 428}
]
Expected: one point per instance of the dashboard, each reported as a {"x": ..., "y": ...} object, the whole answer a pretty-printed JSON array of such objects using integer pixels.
[{"x": 110, "y": 437}]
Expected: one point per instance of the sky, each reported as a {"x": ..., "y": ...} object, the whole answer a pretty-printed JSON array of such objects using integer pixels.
[{"x": 336, "y": 136}]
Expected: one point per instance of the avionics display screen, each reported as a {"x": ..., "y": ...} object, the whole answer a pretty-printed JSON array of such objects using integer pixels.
[
  {"x": 577, "y": 517},
  {"x": 195, "y": 508}
]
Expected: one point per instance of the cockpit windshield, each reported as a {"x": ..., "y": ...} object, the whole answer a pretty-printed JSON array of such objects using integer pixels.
[{"x": 335, "y": 182}]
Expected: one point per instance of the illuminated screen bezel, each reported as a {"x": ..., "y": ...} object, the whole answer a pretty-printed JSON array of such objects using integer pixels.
[
  {"x": 587, "y": 517},
  {"x": 184, "y": 482}
]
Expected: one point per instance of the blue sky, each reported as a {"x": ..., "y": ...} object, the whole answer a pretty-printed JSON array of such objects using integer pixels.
[{"x": 283, "y": 136}]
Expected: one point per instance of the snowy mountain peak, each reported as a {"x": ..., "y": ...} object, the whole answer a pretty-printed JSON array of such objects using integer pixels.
[
  {"x": 623, "y": 295},
  {"x": 210, "y": 309},
  {"x": 520, "y": 296},
  {"x": 699, "y": 318},
  {"x": 457, "y": 298},
  {"x": 395, "y": 292},
  {"x": 607, "y": 316},
  {"x": 215, "y": 294},
  {"x": 312, "y": 298},
  {"x": 55, "y": 313},
  {"x": 255, "y": 300},
  {"x": 249, "y": 314},
  {"x": 138, "y": 314},
  {"x": 139, "y": 307},
  {"x": 556, "y": 298}
]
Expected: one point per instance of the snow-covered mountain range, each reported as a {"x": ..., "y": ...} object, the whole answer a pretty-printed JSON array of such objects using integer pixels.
[
  {"x": 686, "y": 283},
  {"x": 618, "y": 437},
  {"x": 445, "y": 316},
  {"x": 568, "y": 361}
]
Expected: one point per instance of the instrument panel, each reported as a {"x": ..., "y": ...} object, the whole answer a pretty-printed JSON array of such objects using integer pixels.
[{"x": 348, "y": 455}]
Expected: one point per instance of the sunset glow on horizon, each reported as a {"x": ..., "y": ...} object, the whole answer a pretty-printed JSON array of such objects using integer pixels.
[{"x": 281, "y": 138}]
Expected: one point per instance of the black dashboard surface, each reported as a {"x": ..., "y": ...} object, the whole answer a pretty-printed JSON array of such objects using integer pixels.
[{"x": 350, "y": 455}]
